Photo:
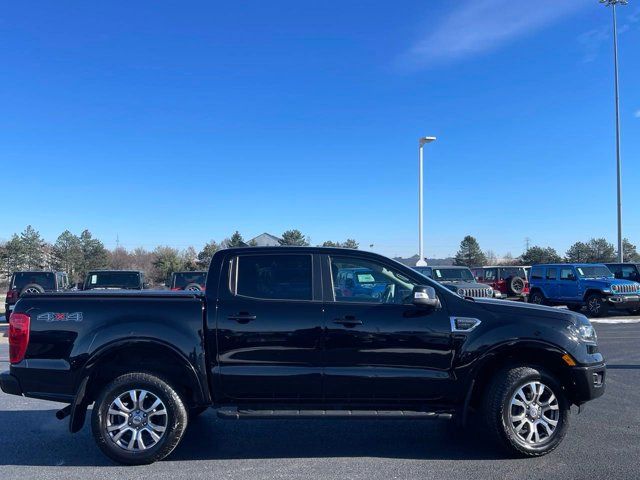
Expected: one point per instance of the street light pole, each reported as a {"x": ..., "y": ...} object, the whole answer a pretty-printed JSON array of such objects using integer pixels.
[
  {"x": 421, "y": 261},
  {"x": 612, "y": 4}
]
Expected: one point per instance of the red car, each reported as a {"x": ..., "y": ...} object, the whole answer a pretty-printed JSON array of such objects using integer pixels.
[{"x": 510, "y": 282}]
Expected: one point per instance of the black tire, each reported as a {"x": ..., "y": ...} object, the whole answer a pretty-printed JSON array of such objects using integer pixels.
[
  {"x": 32, "y": 289},
  {"x": 515, "y": 285},
  {"x": 597, "y": 306},
  {"x": 497, "y": 410},
  {"x": 537, "y": 298},
  {"x": 193, "y": 287},
  {"x": 575, "y": 308},
  {"x": 176, "y": 418}
]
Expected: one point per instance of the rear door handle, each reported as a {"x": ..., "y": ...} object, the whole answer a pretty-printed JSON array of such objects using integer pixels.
[
  {"x": 242, "y": 317},
  {"x": 348, "y": 321}
]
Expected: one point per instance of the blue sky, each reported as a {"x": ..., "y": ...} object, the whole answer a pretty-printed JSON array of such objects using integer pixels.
[{"x": 178, "y": 122}]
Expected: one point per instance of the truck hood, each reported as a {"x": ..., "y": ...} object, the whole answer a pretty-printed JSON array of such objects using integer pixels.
[
  {"x": 604, "y": 282},
  {"x": 528, "y": 309}
]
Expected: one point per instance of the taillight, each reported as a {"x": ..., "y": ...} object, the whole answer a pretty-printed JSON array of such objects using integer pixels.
[
  {"x": 12, "y": 295},
  {"x": 18, "y": 336}
]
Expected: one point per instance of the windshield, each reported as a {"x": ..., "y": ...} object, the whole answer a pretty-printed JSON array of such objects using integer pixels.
[
  {"x": 453, "y": 274},
  {"x": 44, "y": 279},
  {"x": 595, "y": 271},
  {"x": 182, "y": 279},
  {"x": 507, "y": 272},
  {"x": 127, "y": 280},
  {"x": 426, "y": 271}
]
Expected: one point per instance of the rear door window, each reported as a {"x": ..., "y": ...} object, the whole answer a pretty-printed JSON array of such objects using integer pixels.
[
  {"x": 552, "y": 273},
  {"x": 537, "y": 273},
  {"x": 272, "y": 277}
]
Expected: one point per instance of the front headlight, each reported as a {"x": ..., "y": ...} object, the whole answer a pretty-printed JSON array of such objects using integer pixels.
[
  {"x": 585, "y": 331},
  {"x": 615, "y": 288}
]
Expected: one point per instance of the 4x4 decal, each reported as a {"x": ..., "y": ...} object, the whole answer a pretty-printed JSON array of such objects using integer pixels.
[{"x": 60, "y": 317}]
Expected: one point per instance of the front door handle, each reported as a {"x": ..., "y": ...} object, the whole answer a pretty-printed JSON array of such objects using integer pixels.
[
  {"x": 242, "y": 317},
  {"x": 349, "y": 321}
]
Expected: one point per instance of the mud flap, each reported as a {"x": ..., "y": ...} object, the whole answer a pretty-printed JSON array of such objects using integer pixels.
[{"x": 79, "y": 407}]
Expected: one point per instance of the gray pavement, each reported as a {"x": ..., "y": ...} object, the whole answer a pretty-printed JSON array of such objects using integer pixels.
[{"x": 603, "y": 441}]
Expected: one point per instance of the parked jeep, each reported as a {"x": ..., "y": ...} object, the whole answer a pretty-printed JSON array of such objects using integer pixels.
[
  {"x": 510, "y": 282},
  {"x": 191, "y": 281},
  {"x": 579, "y": 285},
  {"x": 457, "y": 279},
  {"x": 625, "y": 271},
  {"x": 115, "y": 280},
  {"x": 33, "y": 283}
]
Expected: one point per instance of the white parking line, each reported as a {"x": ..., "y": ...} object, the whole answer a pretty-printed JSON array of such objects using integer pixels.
[{"x": 615, "y": 320}]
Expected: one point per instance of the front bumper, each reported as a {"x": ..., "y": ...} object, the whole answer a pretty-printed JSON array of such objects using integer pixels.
[
  {"x": 588, "y": 382},
  {"x": 10, "y": 384},
  {"x": 626, "y": 300}
]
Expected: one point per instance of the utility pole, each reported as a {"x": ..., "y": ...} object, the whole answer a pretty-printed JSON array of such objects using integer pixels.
[
  {"x": 421, "y": 261},
  {"x": 612, "y": 4}
]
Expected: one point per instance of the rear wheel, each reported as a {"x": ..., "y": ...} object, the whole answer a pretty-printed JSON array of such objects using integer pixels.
[
  {"x": 538, "y": 298},
  {"x": 526, "y": 411},
  {"x": 138, "y": 419},
  {"x": 597, "y": 306}
]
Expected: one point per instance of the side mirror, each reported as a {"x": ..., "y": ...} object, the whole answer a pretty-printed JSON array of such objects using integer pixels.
[{"x": 424, "y": 296}]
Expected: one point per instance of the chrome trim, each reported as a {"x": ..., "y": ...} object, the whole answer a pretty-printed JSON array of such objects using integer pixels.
[{"x": 455, "y": 329}]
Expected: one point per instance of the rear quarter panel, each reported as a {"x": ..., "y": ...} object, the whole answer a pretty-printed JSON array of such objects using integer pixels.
[{"x": 68, "y": 332}]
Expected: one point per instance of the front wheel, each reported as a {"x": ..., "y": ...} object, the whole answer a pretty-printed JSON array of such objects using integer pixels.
[
  {"x": 597, "y": 306},
  {"x": 138, "y": 419},
  {"x": 526, "y": 411}
]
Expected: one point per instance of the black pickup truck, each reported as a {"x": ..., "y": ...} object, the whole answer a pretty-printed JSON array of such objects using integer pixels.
[{"x": 273, "y": 337}]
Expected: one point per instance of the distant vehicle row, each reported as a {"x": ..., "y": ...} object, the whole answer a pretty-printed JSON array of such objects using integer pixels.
[
  {"x": 38, "y": 282},
  {"x": 483, "y": 282},
  {"x": 598, "y": 287}
]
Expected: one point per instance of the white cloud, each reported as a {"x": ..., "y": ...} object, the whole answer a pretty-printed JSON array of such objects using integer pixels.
[{"x": 479, "y": 26}]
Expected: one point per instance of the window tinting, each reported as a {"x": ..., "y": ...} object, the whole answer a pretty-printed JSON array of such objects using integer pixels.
[
  {"x": 536, "y": 273},
  {"x": 283, "y": 277},
  {"x": 45, "y": 279},
  {"x": 552, "y": 273}
]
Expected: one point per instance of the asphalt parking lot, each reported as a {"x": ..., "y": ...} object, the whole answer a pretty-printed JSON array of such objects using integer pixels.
[{"x": 603, "y": 441}]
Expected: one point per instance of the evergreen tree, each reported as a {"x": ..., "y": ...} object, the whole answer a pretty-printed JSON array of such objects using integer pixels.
[
  {"x": 536, "y": 255},
  {"x": 294, "y": 237},
  {"x": 67, "y": 254},
  {"x": 579, "y": 252},
  {"x": 206, "y": 254},
  {"x": 94, "y": 255},
  {"x": 470, "y": 254},
  {"x": 32, "y": 247},
  {"x": 629, "y": 251}
]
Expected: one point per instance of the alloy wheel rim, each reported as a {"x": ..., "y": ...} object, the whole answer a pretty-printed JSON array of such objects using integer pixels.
[
  {"x": 136, "y": 420},
  {"x": 31, "y": 290},
  {"x": 594, "y": 305},
  {"x": 534, "y": 413}
]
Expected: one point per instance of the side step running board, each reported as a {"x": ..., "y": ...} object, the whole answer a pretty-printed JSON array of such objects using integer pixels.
[{"x": 234, "y": 413}]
